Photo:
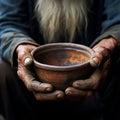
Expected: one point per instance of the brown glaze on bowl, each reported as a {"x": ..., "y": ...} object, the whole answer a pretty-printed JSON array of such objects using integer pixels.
[{"x": 62, "y": 63}]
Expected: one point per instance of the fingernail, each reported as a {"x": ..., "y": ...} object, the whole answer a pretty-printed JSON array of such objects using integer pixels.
[
  {"x": 27, "y": 61},
  {"x": 95, "y": 62},
  {"x": 48, "y": 89},
  {"x": 68, "y": 92},
  {"x": 60, "y": 95}
]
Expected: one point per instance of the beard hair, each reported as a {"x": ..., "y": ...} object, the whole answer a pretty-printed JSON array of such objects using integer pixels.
[{"x": 61, "y": 18}]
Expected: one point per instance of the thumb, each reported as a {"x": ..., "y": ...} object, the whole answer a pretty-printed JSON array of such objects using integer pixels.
[
  {"x": 28, "y": 61},
  {"x": 94, "y": 62}
]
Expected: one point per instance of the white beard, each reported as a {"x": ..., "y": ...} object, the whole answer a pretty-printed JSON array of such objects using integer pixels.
[{"x": 61, "y": 18}]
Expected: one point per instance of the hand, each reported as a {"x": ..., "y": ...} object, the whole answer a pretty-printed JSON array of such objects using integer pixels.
[
  {"x": 101, "y": 60},
  {"x": 41, "y": 91}
]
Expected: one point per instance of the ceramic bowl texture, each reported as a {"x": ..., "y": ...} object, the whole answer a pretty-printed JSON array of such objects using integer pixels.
[{"x": 62, "y": 63}]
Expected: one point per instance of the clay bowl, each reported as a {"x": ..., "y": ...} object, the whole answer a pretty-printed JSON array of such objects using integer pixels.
[{"x": 62, "y": 63}]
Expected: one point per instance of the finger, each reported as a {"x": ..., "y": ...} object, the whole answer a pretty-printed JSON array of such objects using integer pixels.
[
  {"x": 94, "y": 61},
  {"x": 27, "y": 61},
  {"x": 106, "y": 65},
  {"x": 101, "y": 54},
  {"x": 24, "y": 54},
  {"x": 77, "y": 93},
  {"x": 90, "y": 83},
  {"x": 56, "y": 95},
  {"x": 40, "y": 87},
  {"x": 31, "y": 83}
]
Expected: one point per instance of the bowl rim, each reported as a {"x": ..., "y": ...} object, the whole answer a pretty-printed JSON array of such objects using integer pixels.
[{"x": 62, "y": 68}]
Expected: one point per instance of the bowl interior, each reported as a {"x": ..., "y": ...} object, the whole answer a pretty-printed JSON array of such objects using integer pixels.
[
  {"x": 61, "y": 57},
  {"x": 62, "y": 54}
]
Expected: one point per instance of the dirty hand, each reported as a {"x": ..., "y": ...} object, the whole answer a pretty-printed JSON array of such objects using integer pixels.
[
  {"x": 41, "y": 91},
  {"x": 101, "y": 61}
]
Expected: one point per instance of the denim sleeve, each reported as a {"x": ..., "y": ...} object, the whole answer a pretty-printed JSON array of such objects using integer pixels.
[
  {"x": 110, "y": 20},
  {"x": 14, "y": 27}
]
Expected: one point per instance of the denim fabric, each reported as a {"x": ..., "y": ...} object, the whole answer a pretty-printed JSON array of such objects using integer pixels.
[{"x": 18, "y": 24}]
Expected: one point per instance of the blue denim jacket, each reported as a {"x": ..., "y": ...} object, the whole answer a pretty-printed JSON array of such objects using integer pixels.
[{"x": 18, "y": 24}]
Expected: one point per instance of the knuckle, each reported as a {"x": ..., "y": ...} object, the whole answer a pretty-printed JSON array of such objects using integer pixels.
[{"x": 29, "y": 86}]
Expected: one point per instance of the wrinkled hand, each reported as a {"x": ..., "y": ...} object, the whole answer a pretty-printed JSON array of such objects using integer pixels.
[
  {"x": 41, "y": 91},
  {"x": 100, "y": 60}
]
